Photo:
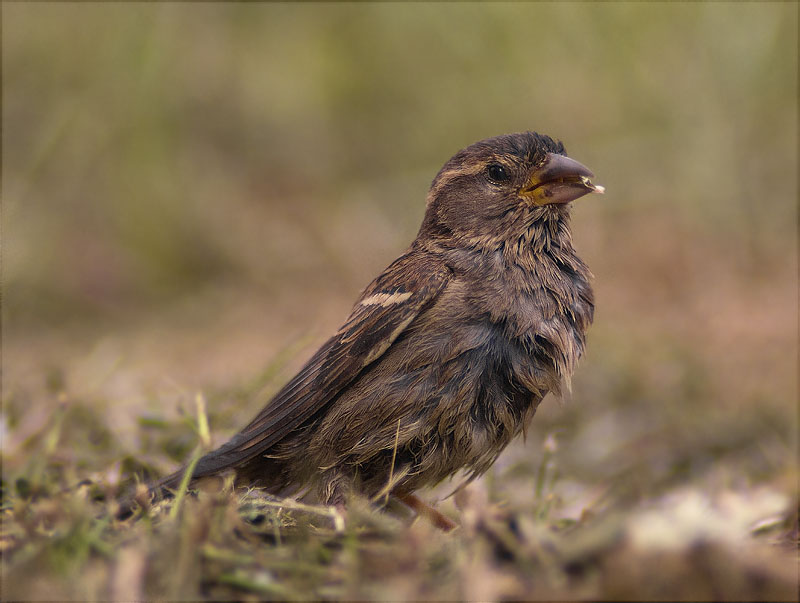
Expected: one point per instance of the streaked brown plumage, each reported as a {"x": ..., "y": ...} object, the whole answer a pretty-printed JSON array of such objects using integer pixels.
[{"x": 448, "y": 353}]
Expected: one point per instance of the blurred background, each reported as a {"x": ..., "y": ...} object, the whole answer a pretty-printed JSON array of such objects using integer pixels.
[{"x": 194, "y": 195}]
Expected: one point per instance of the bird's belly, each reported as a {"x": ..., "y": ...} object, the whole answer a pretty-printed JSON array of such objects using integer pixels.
[{"x": 451, "y": 401}]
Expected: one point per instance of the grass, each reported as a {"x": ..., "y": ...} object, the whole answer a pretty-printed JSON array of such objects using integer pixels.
[{"x": 724, "y": 544}]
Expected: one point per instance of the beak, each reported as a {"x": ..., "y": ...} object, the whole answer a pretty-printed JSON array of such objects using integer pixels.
[{"x": 559, "y": 180}]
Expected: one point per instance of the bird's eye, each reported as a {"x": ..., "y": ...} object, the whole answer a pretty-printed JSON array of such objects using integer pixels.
[{"x": 496, "y": 172}]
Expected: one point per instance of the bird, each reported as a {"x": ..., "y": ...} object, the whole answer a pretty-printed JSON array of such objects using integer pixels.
[{"x": 447, "y": 354}]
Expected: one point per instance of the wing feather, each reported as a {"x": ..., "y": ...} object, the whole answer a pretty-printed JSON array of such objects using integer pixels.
[{"x": 387, "y": 306}]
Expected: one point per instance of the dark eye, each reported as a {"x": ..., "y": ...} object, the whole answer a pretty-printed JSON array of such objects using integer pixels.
[{"x": 496, "y": 172}]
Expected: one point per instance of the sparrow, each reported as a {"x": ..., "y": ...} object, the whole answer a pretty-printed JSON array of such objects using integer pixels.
[{"x": 447, "y": 354}]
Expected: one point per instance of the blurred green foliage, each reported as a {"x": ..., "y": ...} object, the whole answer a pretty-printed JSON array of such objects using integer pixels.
[{"x": 146, "y": 144}]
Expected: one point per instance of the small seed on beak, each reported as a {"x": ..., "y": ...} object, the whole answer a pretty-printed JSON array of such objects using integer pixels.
[{"x": 595, "y": 187}]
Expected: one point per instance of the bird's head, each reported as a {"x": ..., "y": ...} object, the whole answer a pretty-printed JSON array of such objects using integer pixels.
[{"x": 502, "y": 183}]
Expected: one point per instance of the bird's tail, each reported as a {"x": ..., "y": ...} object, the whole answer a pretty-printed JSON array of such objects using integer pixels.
[
  {"x": 214, "y": 463},
  {"x": 143, "y": 495}
]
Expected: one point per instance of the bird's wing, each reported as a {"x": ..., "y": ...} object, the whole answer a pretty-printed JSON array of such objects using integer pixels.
[{"x": 384, "y": 310}]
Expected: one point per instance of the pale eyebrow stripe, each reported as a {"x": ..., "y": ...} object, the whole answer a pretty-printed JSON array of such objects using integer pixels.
[
  {"x": 385, "y": 299},
  {"x": 450, "y": 175}
]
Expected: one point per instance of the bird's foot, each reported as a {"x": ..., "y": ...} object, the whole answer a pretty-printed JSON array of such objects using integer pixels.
[{"x": 420, "y": 507}]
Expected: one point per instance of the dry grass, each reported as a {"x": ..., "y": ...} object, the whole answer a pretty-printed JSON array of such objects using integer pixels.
[{"x": 563, "y": 540}]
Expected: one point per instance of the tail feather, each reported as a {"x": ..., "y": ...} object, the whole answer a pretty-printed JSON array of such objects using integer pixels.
[{"x": 213, "y": 463}]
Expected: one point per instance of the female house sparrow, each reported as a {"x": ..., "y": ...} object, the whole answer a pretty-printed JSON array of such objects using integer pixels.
[{"x": 447, "y": 354}]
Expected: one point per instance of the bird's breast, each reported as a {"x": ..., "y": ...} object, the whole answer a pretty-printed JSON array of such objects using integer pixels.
[{"x": 541, "y": 307}]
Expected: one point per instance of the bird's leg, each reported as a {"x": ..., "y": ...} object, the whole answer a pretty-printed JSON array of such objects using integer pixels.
[{"x": 422, "y": 508}]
